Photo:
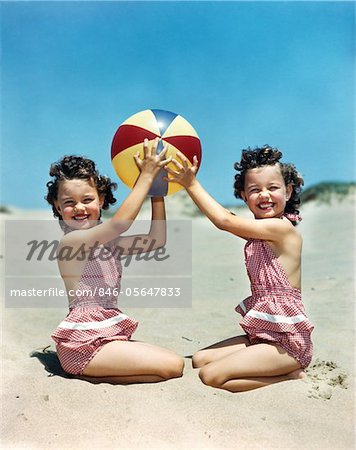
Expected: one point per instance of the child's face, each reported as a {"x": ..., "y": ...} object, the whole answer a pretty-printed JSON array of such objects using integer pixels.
[
  {"x": 265, "y": 192},
  {"x": 79, "y": 203}
]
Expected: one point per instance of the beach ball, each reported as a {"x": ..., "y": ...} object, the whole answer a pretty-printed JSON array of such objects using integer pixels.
[{"x": 171, "y": 128}]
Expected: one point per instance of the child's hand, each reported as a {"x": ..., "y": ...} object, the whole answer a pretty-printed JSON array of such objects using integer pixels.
[
  {"x": 184, "y": 175},
  {"x": 151, "y": 162}
]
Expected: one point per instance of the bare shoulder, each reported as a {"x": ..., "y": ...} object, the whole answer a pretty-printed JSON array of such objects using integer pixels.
[
  {"x": 73, "y": 239},
  {"x": 289, "y": 243},
  {"x": 98, "y": 234},
  {"x": 292, "y": 232}
]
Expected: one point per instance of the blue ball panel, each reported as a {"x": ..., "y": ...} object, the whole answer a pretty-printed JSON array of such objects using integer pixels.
[{"x": 164, "y": 118}]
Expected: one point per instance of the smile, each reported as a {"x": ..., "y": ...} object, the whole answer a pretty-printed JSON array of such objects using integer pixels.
[
  {"x": 81, "y": 217},
  {"x": 266, "y": 205}
]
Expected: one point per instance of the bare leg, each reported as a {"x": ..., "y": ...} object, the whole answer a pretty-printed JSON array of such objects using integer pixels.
[
  {"x": 250, "y": 368},
  {"x": 134, "y": 362},
  {"x": 123, "y": 380},
  {"x": 219, "y": 350}
]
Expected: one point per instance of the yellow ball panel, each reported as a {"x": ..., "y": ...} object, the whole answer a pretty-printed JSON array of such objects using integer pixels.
[
  {"x": 173, "y": 187},
  {"x": 144, "y": 119},
  {"x": 125, "y": 165},
  {"x": 180, "y": 127}
]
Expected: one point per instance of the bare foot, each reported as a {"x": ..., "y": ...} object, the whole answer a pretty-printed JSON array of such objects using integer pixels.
[{"x": 298, "y": 374}]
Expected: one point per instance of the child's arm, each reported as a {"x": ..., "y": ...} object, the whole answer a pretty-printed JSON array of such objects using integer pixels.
[
  {"x": 266, "y": 229},
  {"x": 156, "y": 237},
  {"x": 158, "y": 229},
  {"x": 149, "y": 167}
]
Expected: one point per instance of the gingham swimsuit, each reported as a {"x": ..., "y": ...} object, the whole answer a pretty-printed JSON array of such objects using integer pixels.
[
  {"x": 274, "y": 312},
  {"x": 93, "y": 319}
]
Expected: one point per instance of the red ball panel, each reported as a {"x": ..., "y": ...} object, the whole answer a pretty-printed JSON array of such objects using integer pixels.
[{"x": 127, "y": 136}]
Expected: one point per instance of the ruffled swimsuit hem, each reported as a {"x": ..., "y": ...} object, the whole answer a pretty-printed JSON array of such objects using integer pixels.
[
  {"x": 299, "y": 348},
  {"x": 85, "y": 357},
  {"x": 85, "y": 331}
]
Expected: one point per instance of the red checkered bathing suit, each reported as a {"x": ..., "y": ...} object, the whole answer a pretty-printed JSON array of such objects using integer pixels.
[
  {"x": 274, "y": 312},
  {"x": 93, "y": 320}
]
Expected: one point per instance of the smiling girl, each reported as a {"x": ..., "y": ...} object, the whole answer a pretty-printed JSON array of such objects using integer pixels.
[
  {"x": 94, "y": 340},
  {"x": 277, "y": 345}
]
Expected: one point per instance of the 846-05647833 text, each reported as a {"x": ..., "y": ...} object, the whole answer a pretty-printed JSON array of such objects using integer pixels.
[{"x": 101, "y": 292}]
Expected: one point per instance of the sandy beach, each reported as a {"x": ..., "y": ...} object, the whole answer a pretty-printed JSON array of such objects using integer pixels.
[{"x": 44, "y": 409}]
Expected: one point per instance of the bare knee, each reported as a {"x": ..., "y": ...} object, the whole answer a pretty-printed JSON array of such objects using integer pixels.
[
  {"x": 199, "y": 359},
  {"x": 209, "y": 377},
  {"x": 173, "y": 368}
]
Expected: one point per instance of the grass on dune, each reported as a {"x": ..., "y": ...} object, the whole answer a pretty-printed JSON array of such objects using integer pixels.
[{"x": 327, "y": 191}]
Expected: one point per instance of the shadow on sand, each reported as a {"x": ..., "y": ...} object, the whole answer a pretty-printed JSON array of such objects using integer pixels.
[{"x": 50, "y": 362}]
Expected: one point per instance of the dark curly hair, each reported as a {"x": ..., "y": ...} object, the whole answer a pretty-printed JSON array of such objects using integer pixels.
[
  {"x": 269, "y": 156},
  {"x": 74, "y": 167}
]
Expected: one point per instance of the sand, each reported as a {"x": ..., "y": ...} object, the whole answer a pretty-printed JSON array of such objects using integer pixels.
[{"x": 45, "y": 411}]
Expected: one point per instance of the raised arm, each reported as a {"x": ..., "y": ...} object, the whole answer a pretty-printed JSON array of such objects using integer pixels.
[
  {"x": 156, "y": 237},
  {"x": 149, "y": 167},
  {"x": 158, "y": 229},
  {"x": 267, "y": 229}
]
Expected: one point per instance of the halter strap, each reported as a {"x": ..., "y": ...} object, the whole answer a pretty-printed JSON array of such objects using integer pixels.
[{"x": 293, "y": 217}]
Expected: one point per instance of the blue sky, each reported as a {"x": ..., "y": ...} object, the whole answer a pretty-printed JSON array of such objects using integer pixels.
[{"x": 243, "y": 73}]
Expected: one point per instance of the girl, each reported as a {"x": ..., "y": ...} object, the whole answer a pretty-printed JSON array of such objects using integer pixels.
[
  {"x": 277, "y": 344},
  {"x": 94, "y": 339}
]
